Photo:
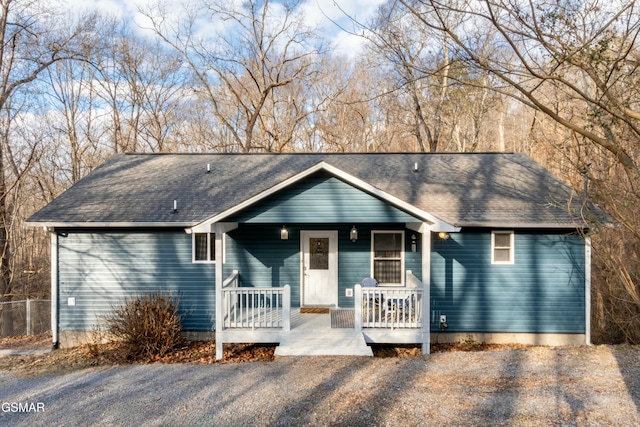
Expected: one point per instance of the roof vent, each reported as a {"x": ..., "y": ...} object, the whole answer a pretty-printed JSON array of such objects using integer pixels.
[
  {"x": 415, "y": 167},
  {"x": 208, "y": 167},
  {"x": 175, "y": 206}
]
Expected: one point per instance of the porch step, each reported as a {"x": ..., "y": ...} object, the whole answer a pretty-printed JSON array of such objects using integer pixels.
[{"x": 323, "y": 342}]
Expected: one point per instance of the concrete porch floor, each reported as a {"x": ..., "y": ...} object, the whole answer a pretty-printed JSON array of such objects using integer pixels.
[{"x": 312, "y": 335}]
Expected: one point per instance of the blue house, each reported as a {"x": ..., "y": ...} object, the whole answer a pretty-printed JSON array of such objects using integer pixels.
[{"x": 487, "y": 247}]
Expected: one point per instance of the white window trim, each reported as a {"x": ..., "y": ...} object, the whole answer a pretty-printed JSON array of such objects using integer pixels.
[
  {"x": 511, "y": 247},
  {"x": 402, "y": 256},
  {"x": 209, "y": 237}
]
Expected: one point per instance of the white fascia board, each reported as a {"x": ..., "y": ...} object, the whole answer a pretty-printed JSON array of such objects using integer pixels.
[
  {"x": 515, "y": 224},
  {"x": 51, "y": 225},
  {"x": 438, "y": 224},
  {"x": 222, "y": 227},
  {"x": 422, "y": 227}
]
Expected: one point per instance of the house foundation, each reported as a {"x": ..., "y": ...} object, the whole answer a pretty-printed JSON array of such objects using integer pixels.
[{"x": 552, "y": 340}]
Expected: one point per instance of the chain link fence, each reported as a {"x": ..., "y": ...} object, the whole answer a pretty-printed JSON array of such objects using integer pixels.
[{"x": 26, "y": 317}]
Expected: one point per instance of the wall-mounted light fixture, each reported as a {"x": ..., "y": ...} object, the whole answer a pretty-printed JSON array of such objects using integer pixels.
[
  {"x": 443, "y": 235},
  {"x": 353, "y": 234},
  {"x": 414, "y": 243},
  {"x": 284, "y": 233}
]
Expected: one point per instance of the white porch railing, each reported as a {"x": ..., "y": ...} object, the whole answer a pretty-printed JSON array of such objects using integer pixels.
[
  {"x": 390, "y": 307},
  {"x": 255, "y": 307}
]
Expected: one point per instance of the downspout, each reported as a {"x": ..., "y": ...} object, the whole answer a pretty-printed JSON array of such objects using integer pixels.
[
  {"x": 54, "y": 287},
  {"x": 587, "y": 260}
]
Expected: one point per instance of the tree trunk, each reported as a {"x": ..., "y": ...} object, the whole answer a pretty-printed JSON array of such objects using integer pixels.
[{"x": 5, "y": 267}]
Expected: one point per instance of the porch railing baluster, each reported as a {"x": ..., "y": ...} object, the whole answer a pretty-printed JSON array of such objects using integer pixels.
[
  {"x": 252, "y": 308},
  {"x": 391, "y": 307}
]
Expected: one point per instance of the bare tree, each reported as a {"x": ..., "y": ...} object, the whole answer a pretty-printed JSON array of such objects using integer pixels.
[
  {"x": 72, "y": 122},
  {"x": 574, "y": 48},
  {"x": 30, "y": 42},
  {"x": 418, "y": 60},
  {"x": 577, "y": 64},
  {"x": 141, "y": 82},
  {"x": 346, "y": 121},
  {"x": 259, "y": 48}
]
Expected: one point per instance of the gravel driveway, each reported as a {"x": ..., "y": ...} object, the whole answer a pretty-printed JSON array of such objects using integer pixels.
[{"x": 534, "y": 386}]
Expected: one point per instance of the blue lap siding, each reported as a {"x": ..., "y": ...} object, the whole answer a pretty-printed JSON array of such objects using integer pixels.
[
  {"x": 319, "y": 202},
  {"x": 322, "y": 198},
  {"x": 102, "y": 268},
  {"x": 264, "y": 260},
  {"x": 541, "y": 292}
]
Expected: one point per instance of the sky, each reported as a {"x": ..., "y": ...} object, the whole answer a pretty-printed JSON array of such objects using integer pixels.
[{"x": 317, "y": 12}]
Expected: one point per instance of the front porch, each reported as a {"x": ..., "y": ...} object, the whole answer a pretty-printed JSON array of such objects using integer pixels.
[
  {"x": 264, "y": 315},
  {"x": 315, "y": 334}
]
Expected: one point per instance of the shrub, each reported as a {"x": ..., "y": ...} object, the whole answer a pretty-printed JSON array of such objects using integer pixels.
[{"x": 146, "y": 327}]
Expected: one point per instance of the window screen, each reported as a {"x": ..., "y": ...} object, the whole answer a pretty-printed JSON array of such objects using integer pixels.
[
  {"x": 387, "y": 257},
  {"x": 502, "y": 247},
  {"x": 204, "y": 247}
]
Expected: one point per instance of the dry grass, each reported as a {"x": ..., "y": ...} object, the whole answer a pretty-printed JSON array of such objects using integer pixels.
[
  {"x": 91, "y": 355},
  {"x": 31, "y": 342},
  {"x": 193, "y": 352}
]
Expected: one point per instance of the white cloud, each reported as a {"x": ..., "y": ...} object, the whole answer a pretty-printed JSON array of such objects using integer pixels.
[
  {"x": 340, "y": 10},
  {"x": 335, "y": 17},
  {"x": 332, "y": 16},
  {"x": 121, "y": 8}
]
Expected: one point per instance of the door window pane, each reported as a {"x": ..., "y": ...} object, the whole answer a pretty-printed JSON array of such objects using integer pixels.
[{"x": 319, "y": 253}]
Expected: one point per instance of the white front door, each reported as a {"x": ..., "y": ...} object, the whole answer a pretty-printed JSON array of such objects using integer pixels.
[{"x": 319, "y": 268}]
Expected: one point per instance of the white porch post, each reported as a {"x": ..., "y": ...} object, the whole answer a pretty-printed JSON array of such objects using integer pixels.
[
  {"x": 424, "y": 228},
  {"x": 357, "y": 296},
  {"x": 426, "y": 280},
  {"x": 219, "y": 231},
  {"x": 286, "y": 308}
]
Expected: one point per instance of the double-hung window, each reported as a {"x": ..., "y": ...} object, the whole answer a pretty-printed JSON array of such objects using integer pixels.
[
  {"x": 502, "y": 247},
  {"x": 204, "y": 247},
  {"x": 388, "y": 256}
]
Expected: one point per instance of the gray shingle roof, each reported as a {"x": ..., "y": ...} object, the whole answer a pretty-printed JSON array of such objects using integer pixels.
[{"x": 486, "y": 190}]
